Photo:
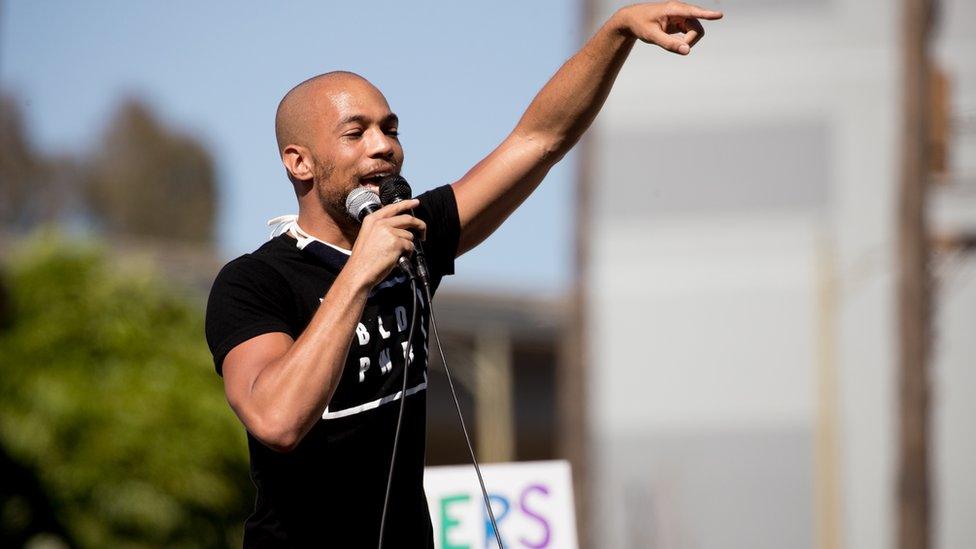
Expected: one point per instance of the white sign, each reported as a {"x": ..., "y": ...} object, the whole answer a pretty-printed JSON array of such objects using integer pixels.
[{"x": 532, "y": 501}]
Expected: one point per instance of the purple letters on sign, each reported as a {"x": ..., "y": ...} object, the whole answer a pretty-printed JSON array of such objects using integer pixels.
[{"x": 546, "y": 531}]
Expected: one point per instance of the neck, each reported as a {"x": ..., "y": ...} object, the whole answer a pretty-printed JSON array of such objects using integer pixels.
[{"x": 322, "y": 226}]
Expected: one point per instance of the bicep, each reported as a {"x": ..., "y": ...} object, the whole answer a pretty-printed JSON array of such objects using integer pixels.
[
  {"x": 244, "y": 364},
  {"x": 497, "y": 185}
]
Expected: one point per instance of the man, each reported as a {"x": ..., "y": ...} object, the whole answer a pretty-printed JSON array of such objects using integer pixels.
[{"x": 310, "y": 331}]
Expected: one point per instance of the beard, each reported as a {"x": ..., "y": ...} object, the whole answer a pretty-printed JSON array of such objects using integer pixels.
[{"x": 331, "y": 195}]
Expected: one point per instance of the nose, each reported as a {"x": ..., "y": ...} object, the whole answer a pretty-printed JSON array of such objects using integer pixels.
[{"x": 380, "y": 145}]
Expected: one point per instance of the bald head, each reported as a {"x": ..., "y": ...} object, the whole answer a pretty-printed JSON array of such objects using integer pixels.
[
  {"x": 334, "y": 132},
  {"x": 304, "y": 103}
]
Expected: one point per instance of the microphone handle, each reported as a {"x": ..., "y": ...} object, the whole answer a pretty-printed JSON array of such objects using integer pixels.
[
  {"x": 402, "y": 262},
  {"x": 406, "y": 267},
  {"x": 418, "y": 252}
]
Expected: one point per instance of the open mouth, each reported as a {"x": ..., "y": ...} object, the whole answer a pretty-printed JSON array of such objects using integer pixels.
[{"x": 372, "y": 181}]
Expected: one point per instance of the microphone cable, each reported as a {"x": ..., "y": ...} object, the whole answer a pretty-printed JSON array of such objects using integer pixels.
[
  {"x": 392, "y": 190},
  {"x": 403, "y": 400},
  {"x": 457, "y": 406}
]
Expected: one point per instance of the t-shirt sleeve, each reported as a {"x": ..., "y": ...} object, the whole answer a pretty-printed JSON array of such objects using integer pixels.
[
  {"x": 248, "y": 298},
  {"x": 438, "y": 208}
]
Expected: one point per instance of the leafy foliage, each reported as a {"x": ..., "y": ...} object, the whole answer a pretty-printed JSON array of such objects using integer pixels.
[{"x": 107, "y": 392}]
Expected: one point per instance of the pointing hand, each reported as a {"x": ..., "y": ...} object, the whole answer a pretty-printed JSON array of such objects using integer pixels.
[{"x": 674, "y": 26}]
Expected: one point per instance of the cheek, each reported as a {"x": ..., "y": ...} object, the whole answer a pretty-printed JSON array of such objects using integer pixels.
[
  {"x": 324, "y": 171},
  {"x": 346, "y": 158},
  {"x": 398, "y": 153}
]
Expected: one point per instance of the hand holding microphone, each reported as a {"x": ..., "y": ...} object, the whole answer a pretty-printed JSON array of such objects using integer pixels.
[
  {"x": 386, "y": 237},
  {"x": 394, "y": 190}
]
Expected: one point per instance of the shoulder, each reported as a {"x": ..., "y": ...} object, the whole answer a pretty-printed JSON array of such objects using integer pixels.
[
  {"x": 266, "y": 262},
  {"x": 250, "y": 296},
  {"x": 438, "y": 206},
  {"x": 260, "y": 275},
  {"x": 439, "y": 199}
]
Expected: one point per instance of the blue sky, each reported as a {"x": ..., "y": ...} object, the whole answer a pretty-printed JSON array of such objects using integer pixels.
[{"x": 459, "y": 74}]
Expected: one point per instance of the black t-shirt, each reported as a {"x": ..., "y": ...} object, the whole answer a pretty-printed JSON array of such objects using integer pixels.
[{"x": 328, "y": 491}]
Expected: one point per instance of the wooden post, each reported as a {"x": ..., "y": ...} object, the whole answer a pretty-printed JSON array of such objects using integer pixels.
[
  {"x": 571, "y": 377},
  {"x": 914, "y": 286},
  {"x": 827, "y": 488},
  {"x": 495, "y": 395}
]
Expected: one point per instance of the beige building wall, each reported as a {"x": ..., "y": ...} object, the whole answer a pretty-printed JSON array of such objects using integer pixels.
[{"x": 741, "y": 300}]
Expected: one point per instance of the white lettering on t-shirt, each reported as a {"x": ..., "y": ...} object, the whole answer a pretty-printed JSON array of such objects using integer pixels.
[
  {"x": 363, "y": 366},
  {"x": 383, "y": 331},
  {"x": 404, "y": 344},
  {"x": 362, "y": 333},
  {"x": 401, "y": 318},
  {"x": 385, "y": 363}
]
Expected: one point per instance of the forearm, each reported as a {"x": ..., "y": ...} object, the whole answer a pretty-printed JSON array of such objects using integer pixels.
[
  {"x": 563, "y": 110},
  {"x": 566, "y": 106},
  {"x": 292, "y": 392}
]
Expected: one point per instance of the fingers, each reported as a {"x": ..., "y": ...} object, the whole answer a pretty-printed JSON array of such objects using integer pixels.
[
  {"x": 402, "y": 233},
  {"x": 681, "y": 31},
  {"x": 671, "y": 42},
  {"x": 405, "y": 241},
  {"x": 396, "y": 215},
  {"x": 675, "y": 26},
  {"x": 386, "y": 235},
  {"x": 410, "y": 223},
  {"x": 402, "y": 242},
  {"x": 687, "y": 10},
  {"x": 395, "y": 209},
  {"x": 693, "y": 30}
]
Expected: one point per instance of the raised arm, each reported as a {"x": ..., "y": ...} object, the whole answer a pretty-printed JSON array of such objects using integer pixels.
[{"x": 563, "y": 110}]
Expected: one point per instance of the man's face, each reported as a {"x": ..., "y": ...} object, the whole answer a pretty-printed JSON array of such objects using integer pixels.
[{"x": 354, "y": 144}]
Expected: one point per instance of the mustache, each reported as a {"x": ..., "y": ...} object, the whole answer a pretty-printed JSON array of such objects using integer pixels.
[{"x": 386, "y": 167}]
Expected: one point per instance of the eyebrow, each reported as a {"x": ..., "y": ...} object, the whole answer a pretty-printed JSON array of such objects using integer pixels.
[{"x": 361, "y": 119}]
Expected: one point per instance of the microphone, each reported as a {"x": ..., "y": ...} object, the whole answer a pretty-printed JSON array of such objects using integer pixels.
[
  {"x": 362, "y": 202},
  {"x": 395, "y": 189}
]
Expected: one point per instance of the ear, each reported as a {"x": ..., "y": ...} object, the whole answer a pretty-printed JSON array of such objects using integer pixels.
[{"x": 298, "y": 162}]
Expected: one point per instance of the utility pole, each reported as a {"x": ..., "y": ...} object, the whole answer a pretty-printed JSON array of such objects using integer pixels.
[
  {"x": 914, "y": 282},
  {"x": 495, "y": 390},
  {"x": 572, "y": 376}
]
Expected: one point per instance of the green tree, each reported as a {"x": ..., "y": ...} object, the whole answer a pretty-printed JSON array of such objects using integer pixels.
[{"x": 107, "y": 393}]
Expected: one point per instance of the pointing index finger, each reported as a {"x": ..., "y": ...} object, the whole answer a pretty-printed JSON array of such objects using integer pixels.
[
  {"x": 690, "y": 10},
  {"x": 398, "y": 208}
]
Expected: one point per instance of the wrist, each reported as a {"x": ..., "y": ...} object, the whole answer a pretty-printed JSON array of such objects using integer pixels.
[
  {"x": 354, "y": 280},
  {"x": 619, "y": 23}
]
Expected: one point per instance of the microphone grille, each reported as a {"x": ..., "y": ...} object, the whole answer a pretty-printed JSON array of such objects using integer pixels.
[
  {"x": 394, "y": 189},
  {"x": 358, "y": 199}
]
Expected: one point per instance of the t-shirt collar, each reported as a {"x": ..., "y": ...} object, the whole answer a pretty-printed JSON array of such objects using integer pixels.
[{"x": 332, "y": 255}]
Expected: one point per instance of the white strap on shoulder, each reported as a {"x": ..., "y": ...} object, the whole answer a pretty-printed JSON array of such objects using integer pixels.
[
  {"x": 282, "y": 224},
  {"x": 289, "y": 224}
]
